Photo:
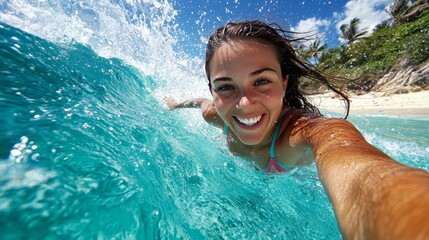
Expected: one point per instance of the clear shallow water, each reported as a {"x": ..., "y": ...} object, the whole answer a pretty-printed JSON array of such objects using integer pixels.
[{"x": 87, "y": 150}]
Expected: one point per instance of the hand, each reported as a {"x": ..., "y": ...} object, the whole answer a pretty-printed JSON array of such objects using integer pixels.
[{"x": 170, "y": 102}]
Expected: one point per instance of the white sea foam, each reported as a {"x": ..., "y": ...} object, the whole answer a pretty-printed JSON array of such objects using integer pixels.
[{"x": 143, "y": 33}]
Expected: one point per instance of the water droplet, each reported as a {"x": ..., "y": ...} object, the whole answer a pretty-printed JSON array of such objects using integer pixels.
[
  {"x": 15, "y": 152},
  {"x": 35, "y": 156},
  {"x": 24, "y": 139}
]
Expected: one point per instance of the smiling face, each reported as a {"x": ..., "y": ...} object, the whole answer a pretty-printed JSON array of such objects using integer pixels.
[{"x": 248, "y": 89}]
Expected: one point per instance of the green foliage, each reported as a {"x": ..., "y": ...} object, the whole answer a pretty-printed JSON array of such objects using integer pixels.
[
  {"x": 419, "y": 50},
  {"x": 377, "y": 53}
]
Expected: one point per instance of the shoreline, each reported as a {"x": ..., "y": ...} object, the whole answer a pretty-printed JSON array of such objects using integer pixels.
[{"x": 407, "y": 104}]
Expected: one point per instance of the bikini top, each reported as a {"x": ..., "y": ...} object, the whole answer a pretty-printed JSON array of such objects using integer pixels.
[{"x": 274, "y": 166}]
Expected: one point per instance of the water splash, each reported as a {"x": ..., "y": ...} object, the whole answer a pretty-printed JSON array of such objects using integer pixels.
[{"x": 143, "y": 33}]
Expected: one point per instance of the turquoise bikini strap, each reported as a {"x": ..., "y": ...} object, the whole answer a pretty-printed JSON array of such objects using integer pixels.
[
  {"x": 276, "y": 132},
  {"x": 225, "y": 128}
]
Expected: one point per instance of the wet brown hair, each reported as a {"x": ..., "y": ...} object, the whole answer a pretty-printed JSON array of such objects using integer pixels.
[{"x": 291, "y": 64}]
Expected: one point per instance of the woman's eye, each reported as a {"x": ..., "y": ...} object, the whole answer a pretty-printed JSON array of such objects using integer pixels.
[
  {"x": 225, "y": 88},
  {"x": 261, "y": 82}
]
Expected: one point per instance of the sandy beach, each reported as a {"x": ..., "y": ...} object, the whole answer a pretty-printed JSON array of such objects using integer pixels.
[{"x": 409, "y": 104}]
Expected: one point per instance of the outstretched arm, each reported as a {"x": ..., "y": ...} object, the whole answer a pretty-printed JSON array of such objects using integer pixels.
[
  {"x": 374, "y": 197},
  {"x": 193, "y": 103},
  {"x": 207, "y": 107}
]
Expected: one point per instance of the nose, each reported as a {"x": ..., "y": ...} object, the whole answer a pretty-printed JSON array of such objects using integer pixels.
[{"x": 244, "y": 102}]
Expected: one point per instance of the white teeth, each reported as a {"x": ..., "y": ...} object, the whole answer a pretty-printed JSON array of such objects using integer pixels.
[{"x": 249, "y": 121}]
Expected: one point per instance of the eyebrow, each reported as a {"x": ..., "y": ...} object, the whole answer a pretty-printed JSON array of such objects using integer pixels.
[
  {"x": 257, "y": 72},
  {"x": 262, "y": 70},
  {"x": 222, "y": 79}
]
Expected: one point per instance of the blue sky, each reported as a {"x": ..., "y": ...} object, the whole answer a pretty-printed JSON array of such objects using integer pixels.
[{"x": 199, "y": 18}]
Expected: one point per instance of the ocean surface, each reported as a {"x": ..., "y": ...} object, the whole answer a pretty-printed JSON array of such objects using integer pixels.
[{"x": 89, "y": 151}]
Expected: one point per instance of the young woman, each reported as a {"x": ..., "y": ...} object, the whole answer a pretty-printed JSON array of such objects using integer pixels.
[{"x": 253, "y": 75}]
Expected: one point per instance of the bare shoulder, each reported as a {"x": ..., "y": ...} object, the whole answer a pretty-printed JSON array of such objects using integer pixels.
[
  {"x": 332, "y": 128},
  {"x": 315, "y": 131}
]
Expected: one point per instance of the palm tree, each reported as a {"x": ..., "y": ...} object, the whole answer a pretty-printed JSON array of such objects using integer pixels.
[
  {"x": 350, "y": 32},
  {"x": 300, "y": 50},
  {"x": 312, "y": 51},
  {"x": 385, "y": 24},
  {"x": 402, "y": 11},
  {"x": 315, "y": 49},
  {"x": 397, "y": 10}
]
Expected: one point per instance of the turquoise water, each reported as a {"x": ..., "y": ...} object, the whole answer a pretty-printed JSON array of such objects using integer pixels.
[{"x": 88, "y": 151}]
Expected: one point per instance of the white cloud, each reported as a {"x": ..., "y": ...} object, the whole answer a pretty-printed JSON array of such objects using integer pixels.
[
  {"x": 313, "y": 27},
  {"x": 369, "y": 12}
]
